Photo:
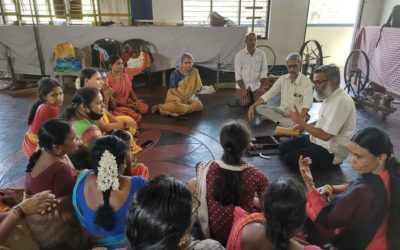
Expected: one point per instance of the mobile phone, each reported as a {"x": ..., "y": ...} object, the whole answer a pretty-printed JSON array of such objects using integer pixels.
[{"x": 147, "y": 144}]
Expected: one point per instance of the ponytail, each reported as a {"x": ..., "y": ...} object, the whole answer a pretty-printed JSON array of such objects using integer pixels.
[
  {"x": 105, "y": 216},
  {"x": 32, "y": 160},
  {"x": 34, "y": 108},
  {"x": 284, "y": 208},
  {"x": 279, "y": 235},
  {"x": 70, "y": 112},
  {"x": 82, "y": 96},
  {"x": 393, "y": 232}
]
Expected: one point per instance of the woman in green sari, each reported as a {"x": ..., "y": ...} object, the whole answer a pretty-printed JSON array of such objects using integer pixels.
[
  {"x": 86, "y": 109},
  {"x": 181, "y": 97}
]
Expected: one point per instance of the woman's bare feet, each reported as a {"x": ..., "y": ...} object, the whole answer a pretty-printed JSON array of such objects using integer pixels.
[{"x": 154, "y": 109}]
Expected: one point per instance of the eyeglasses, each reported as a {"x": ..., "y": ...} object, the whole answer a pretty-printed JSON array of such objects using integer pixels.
[
  {"x": 295, "y": 66},
  {"x": 320, "y": 82}
]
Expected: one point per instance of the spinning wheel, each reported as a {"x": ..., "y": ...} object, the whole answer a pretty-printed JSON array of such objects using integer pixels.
[
  {"x": 270, "y": 54},
  {"x": 311, "y": 54},
  {"x": 356, "y": 73}
]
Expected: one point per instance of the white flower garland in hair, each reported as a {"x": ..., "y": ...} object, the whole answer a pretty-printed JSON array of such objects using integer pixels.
[
  {"x": 78, "y": 83},
  {"x": 107, "y": 176}
]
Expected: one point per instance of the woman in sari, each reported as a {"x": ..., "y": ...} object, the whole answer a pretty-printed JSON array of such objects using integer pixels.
[
  {"x": 160, "y": 217},
  {"x": 181, "y": 97},
  {"x": 102, "y": 196},
  {"x": 132, "y": 166},
  {"x": 126, "y": 100},
  {"x": 363, "y": 214},
  {"x": 284, "y": 206},
  {"x": 86, "y": 109},
  {"x": 49, "y": 168},
  {"x": 51, "y": 97},
  {"x": 221, "y": 185},
  {"x": 92, "y": 78}
]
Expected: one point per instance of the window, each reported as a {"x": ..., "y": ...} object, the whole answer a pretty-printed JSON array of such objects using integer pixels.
[
  {"x": 325, "y": 12},
  {"x": 251, "y": 13},
  {"x": 52, "y": 11}
]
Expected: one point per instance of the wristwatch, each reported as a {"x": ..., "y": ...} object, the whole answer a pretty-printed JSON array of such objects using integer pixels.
[{"x": 19, "y": 211}]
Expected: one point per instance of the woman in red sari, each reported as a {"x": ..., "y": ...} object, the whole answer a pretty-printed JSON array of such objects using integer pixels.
[
  {"x": 284, "y": 208},
  {"x": 363, "y": 214},
  {"x": 126, "y": 100}
]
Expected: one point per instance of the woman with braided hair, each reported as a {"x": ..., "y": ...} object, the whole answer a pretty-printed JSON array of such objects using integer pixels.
[
  {"x": 101, "y": 196},
  {"x": 364, "y": 214},
  {"x": 284, "y": 208},
  {"x": 220, "y": 185}
]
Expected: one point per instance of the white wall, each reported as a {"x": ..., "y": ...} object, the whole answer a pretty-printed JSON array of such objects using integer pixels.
[
  {"x": 387, "y": 9},
  {"x": 287, "y": 24},
  {"x": 167, "y": 12},
  {"x": 372, "y": 13}
]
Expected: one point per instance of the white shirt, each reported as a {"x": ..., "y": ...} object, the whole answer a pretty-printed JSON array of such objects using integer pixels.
[
  {"x": 337, "y": 117},
  {"x": 250, "y": 68},
  {"x": 298, "y": 93}
]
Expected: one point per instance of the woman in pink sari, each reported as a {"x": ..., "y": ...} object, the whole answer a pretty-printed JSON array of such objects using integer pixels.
[{"x": 126, "y": 100}]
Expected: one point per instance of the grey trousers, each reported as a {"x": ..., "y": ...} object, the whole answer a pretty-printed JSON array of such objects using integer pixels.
[{"x": 252, "y": 96}]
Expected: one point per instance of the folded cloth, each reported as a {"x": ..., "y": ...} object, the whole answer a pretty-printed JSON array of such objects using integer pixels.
[
  {"x": 274, "y": 114},
  {"x": 206, "y": 90}
]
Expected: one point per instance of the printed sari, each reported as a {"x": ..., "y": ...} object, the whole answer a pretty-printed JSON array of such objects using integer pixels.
[
  {"x": 241, "y": 219},
  {"x": 132, "y": 130},
  {"x": 44, "y": 113},
  {"x": 122, "y": 89},
  {"x": 86, "y": 131},
  {"x": 188, "y": 87}
]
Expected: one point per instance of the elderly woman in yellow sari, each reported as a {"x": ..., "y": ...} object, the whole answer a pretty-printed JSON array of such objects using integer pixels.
[{"x": 181, "y": 97}]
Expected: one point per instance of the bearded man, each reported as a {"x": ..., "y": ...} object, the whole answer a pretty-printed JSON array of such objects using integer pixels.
[{"x": 330, "y": 135}]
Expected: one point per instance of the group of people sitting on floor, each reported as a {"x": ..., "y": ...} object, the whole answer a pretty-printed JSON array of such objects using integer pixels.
[
  {"x": 85, "y": 190},
  {"x": 229, "y": 203}
]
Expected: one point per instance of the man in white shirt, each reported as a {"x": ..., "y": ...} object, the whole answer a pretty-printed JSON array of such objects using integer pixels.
[
  {"x": 295, "y": 89},
  {"x": 329, "y": 137},
  {"x": 250, "y": 69}
]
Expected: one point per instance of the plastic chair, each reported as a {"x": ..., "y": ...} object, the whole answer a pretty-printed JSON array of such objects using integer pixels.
[
  {"x": 102, "y": 49},
  {"x": 137, "y": 46}
]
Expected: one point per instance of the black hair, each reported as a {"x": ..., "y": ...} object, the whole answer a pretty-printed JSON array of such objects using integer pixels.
[
  {"x": 45, "y": 86},
  {"x": 121, "y": 134},
  {"x": 86, "y": 74},
  {"x": 284, "y": 208},
  {"x": 234, "y": 138},
  {"x": 83, "y": 96},
  {"x": 368, "y": 138},
  {"x": 105, "y": 217},
  {"x": 160, "y": 216},
  {"x": 112, "y": 59},
  {"x": 52, "y": 132}
]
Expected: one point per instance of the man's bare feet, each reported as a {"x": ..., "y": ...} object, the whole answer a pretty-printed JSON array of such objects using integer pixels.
[{"x": 154, "y": 109}]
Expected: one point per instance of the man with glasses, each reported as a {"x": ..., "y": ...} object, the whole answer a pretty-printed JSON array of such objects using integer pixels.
[
  {"x": 295, "y": 89},
  {"x": 251, "y": 69},
  {"x": 329, "y": 137}
]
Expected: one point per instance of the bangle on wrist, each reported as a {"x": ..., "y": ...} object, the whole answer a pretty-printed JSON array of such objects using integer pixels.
[
  {"x": 19, "y": 211},
  {"x": 330, "y": 188},
  {"x": 333, "y": 189}
]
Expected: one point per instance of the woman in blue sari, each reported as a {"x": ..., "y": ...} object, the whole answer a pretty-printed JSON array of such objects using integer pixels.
[{"x": 102, "y": 195}]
